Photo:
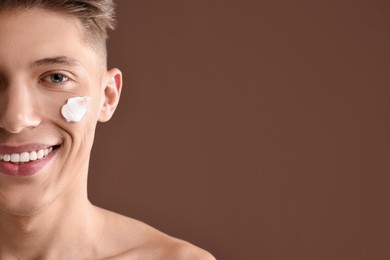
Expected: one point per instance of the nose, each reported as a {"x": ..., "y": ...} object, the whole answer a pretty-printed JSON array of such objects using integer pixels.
[{"x": 17, "y": 111}]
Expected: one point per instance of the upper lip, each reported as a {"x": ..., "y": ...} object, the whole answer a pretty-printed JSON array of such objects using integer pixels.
[{"x": 10, "y": 149}]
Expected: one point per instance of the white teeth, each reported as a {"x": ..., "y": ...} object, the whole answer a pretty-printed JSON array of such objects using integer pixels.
[
  {"x": 15, "y": 157},
  {"x": 33, "y": 156},
  {"x": 26, "y": 156},
  {"x": 40, "y": 154}
]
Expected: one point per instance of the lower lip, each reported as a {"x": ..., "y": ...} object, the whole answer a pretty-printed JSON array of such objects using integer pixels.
[{"x": 25, "y": 169}]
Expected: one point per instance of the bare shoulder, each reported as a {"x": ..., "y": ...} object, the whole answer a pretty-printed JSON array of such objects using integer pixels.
[
  {"x": 127, "y": 238},
  {"x": 188, "y": 251},
  {"x": 178, "y": 249},
  {"x": 170, "y": 248}
]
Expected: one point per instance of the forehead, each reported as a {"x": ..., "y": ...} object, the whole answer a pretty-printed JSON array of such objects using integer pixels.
[{"x": 28, "y": 35}]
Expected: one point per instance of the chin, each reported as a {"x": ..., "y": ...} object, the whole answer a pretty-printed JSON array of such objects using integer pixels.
[{"x": 23, "y": 206}]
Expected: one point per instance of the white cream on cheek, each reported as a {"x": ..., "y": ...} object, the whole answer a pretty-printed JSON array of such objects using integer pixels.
[{"x": 75, "y": 109}]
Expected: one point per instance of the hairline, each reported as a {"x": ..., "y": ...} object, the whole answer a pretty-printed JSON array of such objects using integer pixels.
[{"x": 98, "y": 45}]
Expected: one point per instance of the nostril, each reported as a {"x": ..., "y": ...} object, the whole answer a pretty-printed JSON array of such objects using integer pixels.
[
  {"x": 16, "y": 123},
  {"x": 17, "y": 108}
]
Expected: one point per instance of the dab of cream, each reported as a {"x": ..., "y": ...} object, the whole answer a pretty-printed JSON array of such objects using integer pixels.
[{"x": 75, "y": 109}]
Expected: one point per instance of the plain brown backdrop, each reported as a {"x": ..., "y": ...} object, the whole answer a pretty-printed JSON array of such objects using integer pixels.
[{"x": 253, "y": 129}]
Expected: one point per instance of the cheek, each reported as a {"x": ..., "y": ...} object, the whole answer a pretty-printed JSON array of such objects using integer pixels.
[
  {"x": 66, "y": 110},
  {"x": 73, "y": 119},
  {"x": 75, "y": 109},
  {"x": 70, "y": 116}
]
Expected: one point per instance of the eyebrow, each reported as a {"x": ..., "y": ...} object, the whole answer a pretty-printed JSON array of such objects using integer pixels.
[{"x": 60, "y": 60}]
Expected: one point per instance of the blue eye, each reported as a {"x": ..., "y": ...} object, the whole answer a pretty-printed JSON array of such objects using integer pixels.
[{"x": 57, "y": 78}]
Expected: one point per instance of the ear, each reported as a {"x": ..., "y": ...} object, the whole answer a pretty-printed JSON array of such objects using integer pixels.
[{"x": 112, "y": 92}]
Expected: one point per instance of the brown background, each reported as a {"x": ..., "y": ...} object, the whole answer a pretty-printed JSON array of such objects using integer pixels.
[{"x": 254, "y": 129}]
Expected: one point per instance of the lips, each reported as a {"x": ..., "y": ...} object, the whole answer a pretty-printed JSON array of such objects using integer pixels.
[{"x": 25, "y": 160}]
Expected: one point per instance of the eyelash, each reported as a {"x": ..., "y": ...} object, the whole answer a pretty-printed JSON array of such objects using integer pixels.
[{"x": 49, "y": 78}]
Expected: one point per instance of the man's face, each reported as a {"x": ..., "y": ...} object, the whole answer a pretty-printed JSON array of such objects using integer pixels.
[{"x": 44, "y": 61}]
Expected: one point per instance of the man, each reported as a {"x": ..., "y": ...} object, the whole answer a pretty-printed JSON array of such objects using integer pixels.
[{"x": 54, "y": 88}]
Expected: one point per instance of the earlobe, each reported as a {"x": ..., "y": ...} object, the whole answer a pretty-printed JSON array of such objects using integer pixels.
[{"x": 112, "y": 91}]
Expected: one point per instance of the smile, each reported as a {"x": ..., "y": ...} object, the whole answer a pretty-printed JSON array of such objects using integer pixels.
[
  {"x": 26, "y": 156},
  {"x": 16, "y": 162}
]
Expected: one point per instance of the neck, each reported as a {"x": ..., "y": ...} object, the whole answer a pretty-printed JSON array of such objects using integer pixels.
[{"x": 69, "y": 222}]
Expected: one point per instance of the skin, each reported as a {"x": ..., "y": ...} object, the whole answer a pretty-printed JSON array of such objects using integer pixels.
[{"x": 44, "y": 60}]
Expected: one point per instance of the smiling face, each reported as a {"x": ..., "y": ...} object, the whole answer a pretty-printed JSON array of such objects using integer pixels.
[{"x": 44, "y": 61}]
